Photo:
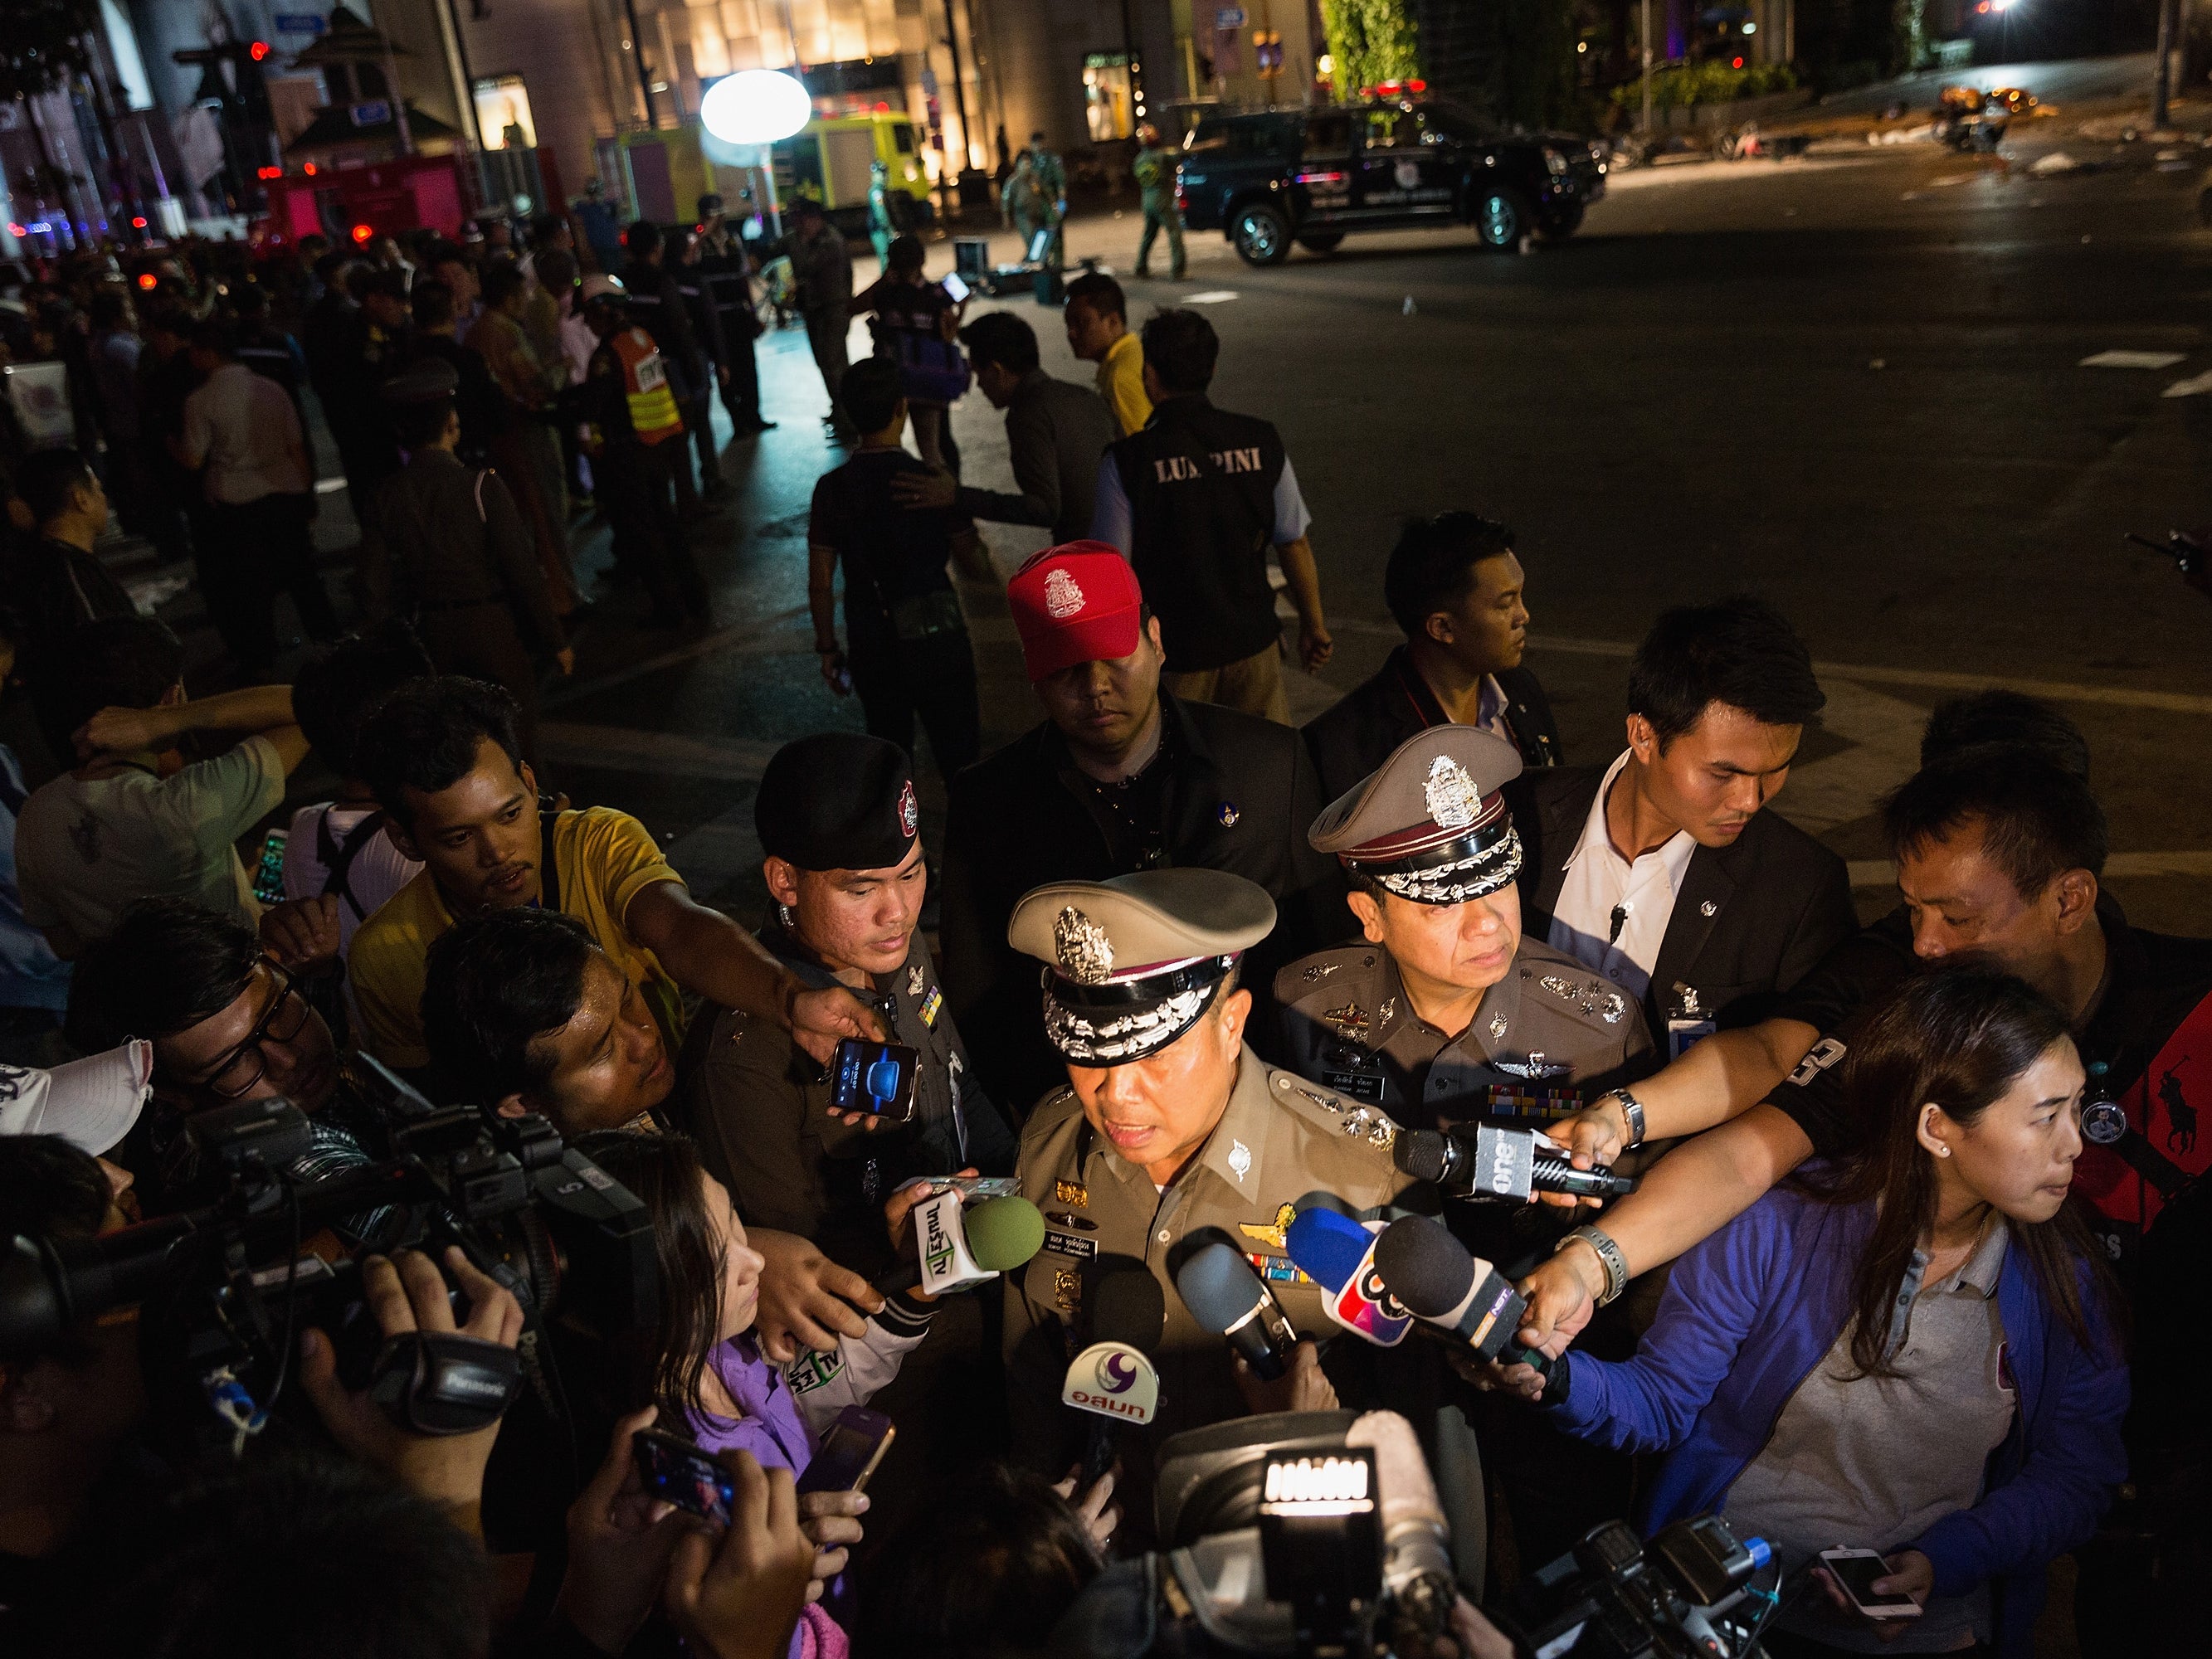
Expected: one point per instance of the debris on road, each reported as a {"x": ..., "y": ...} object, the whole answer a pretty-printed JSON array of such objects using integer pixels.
[
  {"x": 2058, "y": 162},
  {"x": 2196, "y": 386},
  {"x": 2132, "y": 360}
]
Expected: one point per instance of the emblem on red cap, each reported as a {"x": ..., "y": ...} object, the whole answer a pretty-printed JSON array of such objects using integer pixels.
[
  {"x": 910, "y": 810},
  {"x": 1063, "y": 598}
]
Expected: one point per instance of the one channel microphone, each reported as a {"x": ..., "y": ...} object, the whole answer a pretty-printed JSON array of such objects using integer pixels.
[
  {"x": 1114, "y": 1377},
  {"x": 1431, "y": 1273},
  {"x": 956, "y": 1247},
  {"x": 1338, "y": 1254},
  {"x": 1487, "y": 1162},
  {"x": 1225, "y": 1296}
]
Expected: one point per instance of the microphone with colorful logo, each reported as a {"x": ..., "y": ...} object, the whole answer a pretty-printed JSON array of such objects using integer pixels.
[
  {"x": 956, "y": 1249},
  {"x": 1432, "y": 1275},
  {"x": 1333, "y": 1246},
  {"x": 1124, "y": 1312}
]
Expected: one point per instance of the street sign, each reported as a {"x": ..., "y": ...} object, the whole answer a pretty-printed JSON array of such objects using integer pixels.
[
  {"x": 1229, "y": 17},
  {"x": 300, "y": 22},
  {"x": 374, "y": 114}
]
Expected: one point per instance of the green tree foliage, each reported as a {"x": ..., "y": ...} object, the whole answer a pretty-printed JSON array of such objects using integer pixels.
[
  {"x": 1708, "y": 80},
  {"x": 1372, "y": 41},
  {"x": 42, "y": 44}
]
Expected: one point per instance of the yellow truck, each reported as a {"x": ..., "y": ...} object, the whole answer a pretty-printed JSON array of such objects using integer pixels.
[{"x": 828, "y": 160}]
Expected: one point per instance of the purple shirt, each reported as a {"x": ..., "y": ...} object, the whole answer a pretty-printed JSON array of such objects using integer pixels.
[{"x": 771, "y": 1428}]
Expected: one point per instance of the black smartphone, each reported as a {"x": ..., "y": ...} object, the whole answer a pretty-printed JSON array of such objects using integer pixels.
[
  {"x": 851, "y": 1448},
  {"x": 678, "y": 1472},
  {"x": 875, "y": 1077},
  {"x": 269, "y": 869}
]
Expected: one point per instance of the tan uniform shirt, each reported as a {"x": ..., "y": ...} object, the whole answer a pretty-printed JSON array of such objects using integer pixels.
[
  {"x": 1549, "y": 1030},
  {"x": 1280, "y": 1138}
]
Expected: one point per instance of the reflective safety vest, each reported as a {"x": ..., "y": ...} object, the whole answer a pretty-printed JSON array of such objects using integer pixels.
[{"x": 652, "y": 413}]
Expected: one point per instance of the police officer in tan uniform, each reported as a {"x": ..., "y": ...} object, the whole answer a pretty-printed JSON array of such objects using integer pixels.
[
  {"x": 1169, "y": 1124},
  {"x": 1448, "y": 1011}
]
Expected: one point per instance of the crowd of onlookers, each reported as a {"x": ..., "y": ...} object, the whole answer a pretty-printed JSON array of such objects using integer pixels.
[{"x": 1877, "y": 1291}]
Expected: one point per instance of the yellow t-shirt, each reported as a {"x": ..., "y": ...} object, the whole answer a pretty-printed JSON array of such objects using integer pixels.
[
  {"x": 606, "y": 858},
  {"x": 1122, "y": 384}
]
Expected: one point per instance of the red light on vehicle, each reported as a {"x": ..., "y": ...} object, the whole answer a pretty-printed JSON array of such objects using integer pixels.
[
  {"x": 311, "y": 169},
  {"x": 17, "y": 230},
  {"x": 269, "y": 172},
  {"x": 1417, "y": 86},
  {"x": 1736, "y": 62},
  {"x": 362, "y": 233},
  {"x": 258, "y": 50},
  {"x": 146, "y": 280},
  {"x": 881, "y": 108},
  {"x": 137, "y": 224}
]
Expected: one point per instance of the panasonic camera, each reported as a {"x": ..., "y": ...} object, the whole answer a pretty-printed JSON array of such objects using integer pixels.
[{"x": 226, "y": 1288}]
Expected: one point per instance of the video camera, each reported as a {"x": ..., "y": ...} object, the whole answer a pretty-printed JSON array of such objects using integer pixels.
[
  {"x": 227, "y": 1287},
  {"x": 1321, "y": 1533},
  {"x": 1686, "y": 1593}
]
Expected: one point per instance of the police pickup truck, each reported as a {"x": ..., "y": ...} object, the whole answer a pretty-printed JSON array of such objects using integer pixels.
[{"x": 1312, "y": 176}]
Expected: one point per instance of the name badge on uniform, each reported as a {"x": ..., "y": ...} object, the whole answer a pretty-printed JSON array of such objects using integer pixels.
[
  {"x": 1353, "y": 1070},
  {"x": 1073, "y": 1246}
]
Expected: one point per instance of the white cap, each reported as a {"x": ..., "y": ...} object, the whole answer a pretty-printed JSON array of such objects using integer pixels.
[
  {"x": 597, "y": 287},
  {"x": 90, "y": 1103}
]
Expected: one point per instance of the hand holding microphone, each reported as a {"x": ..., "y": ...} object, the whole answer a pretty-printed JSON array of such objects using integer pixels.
[
  {"x": 1113, "y": 1377},
  {"x": 956, "y": 1247},
  {"x": 1276, "y": 1370},
  {"x": 1432, "y": 1274},
  {"x": 1487, "y": 1162}
]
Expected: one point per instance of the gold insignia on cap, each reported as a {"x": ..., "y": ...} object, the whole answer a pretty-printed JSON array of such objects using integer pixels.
[
  {"x": 1085, "y": 954},
  {"x": 1453, "y": 801}
]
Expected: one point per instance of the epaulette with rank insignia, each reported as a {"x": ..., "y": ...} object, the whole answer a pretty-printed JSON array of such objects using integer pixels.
[{"x": 1361, "y": 1122}]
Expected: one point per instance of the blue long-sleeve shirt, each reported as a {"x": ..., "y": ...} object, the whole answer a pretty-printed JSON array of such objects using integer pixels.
[{"x": 1752, "y": 1309}]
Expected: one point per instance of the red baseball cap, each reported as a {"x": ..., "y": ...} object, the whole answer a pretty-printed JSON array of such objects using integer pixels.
[{"x": 1075, "y": 602}]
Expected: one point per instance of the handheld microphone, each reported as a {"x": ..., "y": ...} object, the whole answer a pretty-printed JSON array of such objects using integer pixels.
[
  {"x": 1485, "y": 1162},
  {"x": 1226, "y": 1296},
  {"x": 1115, "y": 1377},
  {"x": 1417, "y": 1561},
  {"x": 1431, "y": 1273},
  {"x": 956, "y": 1249},
  {"x": 1338, "y": 1254}
]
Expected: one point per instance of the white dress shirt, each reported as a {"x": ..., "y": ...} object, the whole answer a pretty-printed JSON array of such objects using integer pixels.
[
  {"x": 242, "y": 428},
  {"x": 1612, "y": 915}
]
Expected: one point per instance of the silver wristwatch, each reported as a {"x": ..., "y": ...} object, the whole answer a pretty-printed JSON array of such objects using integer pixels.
[
  {"x": 1631, "y": 1112},
  {"x": 1608, "y": 1254}
]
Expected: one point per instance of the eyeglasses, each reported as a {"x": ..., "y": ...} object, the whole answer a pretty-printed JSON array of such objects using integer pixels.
[{"x": 245, "y": 1065}]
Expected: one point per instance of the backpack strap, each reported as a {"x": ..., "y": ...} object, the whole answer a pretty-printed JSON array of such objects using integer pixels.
[
  {"x": 338, "y": 856},
  {"x": 549, "y": 864}
]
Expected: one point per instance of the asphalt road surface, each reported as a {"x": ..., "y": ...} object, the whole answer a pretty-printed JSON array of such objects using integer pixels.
[{"x": 1853, "y": 383}]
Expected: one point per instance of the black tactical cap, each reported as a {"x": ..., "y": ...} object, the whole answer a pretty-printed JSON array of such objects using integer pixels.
[{"x": 838, "y": 801}]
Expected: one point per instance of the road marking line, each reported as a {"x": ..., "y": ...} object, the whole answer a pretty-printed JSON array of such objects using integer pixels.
[
  {"x": 1934, "y": 679},
  {"x": 1213, "y": 296},
  {"x": 1880, "y": 873},
  {"x": 2132, "y": 359},
  {"x": 2196, "y": 386}
]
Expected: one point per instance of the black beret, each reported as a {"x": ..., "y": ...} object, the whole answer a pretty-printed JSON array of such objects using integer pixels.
[
  {"x": 838, "y": 801},
  {"x": 422, "y": 382}
]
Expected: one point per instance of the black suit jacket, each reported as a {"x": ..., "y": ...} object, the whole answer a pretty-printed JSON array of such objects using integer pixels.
[
  {"x": 1358, "y": 733},
  {"x": 1241, "y": 798},
  {"x": 1779, "y": 901}
]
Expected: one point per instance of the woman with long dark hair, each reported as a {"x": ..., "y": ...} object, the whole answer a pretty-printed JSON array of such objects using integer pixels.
[
  {"x": 1914, "y": 1353},
  {"x": 700, "y": 1366}
]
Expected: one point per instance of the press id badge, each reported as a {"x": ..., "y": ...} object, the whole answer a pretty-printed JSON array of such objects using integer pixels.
[
  {"x": 652, "y": 374},
  {"x": 1684, "y": 1034}
]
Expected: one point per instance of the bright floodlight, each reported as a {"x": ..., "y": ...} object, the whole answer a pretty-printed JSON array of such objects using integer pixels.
[{"x": 756, "y": 107}]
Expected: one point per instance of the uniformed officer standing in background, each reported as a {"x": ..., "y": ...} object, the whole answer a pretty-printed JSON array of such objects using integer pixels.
[
  {"x": 727, "y": 267},
  {"x": 837, "y": 817},
  {"x": 1448, "y": 1011},
  {"x": 1168, "y": 1124},
  {"x": 447, "y": 549}
]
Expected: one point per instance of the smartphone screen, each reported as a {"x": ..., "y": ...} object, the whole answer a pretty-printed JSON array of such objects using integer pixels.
[
  {"x": 958, "y": 289},
  {"x": 269, "y": 870},
  {"x": 876, "y": 1078},
  {"x": 677, "y": 1472},
  {"x": 851, "y": 1448},
  {"x": 1856, "y": 1573}
]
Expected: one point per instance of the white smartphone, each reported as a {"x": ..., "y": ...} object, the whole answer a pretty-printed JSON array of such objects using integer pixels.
[
  {"x": 958, "y": 289},
  {"x": 1856, "y": 1571}
]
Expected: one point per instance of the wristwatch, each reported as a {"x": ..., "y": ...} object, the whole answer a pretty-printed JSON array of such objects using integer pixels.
[
  {"x": 1632, "y": 1113},
  {"x": 1609, "y": 1256}
]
